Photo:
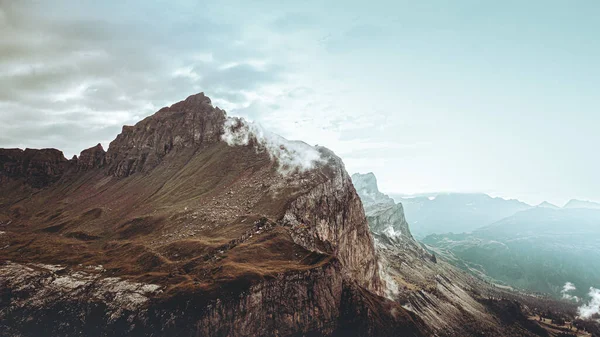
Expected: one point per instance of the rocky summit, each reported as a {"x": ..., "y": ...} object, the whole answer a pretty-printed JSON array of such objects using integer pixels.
[{"x": 174, "y": 231}]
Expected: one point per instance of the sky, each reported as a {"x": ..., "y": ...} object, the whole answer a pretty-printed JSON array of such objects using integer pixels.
[{"x": 499, "y": 97}]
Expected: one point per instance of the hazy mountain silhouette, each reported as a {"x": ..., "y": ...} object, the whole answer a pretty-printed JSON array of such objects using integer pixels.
[{"x": 455, "y": 212}]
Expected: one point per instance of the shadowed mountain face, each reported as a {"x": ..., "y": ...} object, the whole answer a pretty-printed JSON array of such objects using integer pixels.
[
  {"x": 538, "y": 250},
  {"x": 450, "y": 302},
  {"x": 174, "y": 232},
  {"x": 455, "y": 212}
]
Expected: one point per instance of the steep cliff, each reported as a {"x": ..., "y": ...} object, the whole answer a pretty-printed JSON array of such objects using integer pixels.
[
  {"x": 330, "y": 218},
  {"x": 366, "y": 185},
  {"x": 176, "y": 231},
  {"x": 37, "y": 168}
]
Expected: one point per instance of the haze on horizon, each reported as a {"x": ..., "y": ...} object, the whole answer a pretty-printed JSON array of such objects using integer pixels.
[{"x": 495, "y": 97}]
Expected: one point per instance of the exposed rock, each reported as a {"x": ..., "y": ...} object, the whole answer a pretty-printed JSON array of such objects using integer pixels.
[
  {"x": 366, "y": 186},
  {"x": 93, "y": 157},
  {"x": 311, "y": 299},
  {"x": 330, "y": 219},
  {"x": 187, "y": 124},
  {"x": 384, "y": 216},
  {"x": 388, "y": 220},
  {"x": 37, "y": 168}
]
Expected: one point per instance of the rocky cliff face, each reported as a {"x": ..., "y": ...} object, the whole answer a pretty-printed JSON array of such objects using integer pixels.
[
  {"x": 384, "y": 216},
  {"x": 330, "y": 218},
  {"x": 37, "y": 168},
  {"x": 94, "y": 157},
  {"x": 187, "y": 124},
  {"x": 366, "y": 185},
  {"x": 190, "y": 236}
]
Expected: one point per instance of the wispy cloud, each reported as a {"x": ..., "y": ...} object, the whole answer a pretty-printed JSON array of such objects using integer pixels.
[
  {"x": 591, "y": 308},
  {"x": 567, "y": 288}
]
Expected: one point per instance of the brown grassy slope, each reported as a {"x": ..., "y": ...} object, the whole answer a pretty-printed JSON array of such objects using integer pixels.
[{"x": 200, "y": 217}]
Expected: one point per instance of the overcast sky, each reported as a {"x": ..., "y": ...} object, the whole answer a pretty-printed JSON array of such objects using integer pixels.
[{"x": 499, "y": 97}]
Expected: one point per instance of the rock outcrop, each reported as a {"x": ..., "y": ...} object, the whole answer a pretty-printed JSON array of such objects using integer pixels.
[
  {"x": 384, "y": 216},
  {"x": 187, "y": 124},
  {"x": 366, "y": 186},
  {"x": 330, "y": 218},
  {"x": 93, "y": 157},
  {"x": 37, "y": 168}
]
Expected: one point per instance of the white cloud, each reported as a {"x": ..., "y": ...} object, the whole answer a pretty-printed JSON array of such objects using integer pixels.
[
  {"x": 592, "y": 308},
  {"x": 186, "y": 72},
  {"x": 567, "y": 288},
  {"x": 291, "y": 156}
]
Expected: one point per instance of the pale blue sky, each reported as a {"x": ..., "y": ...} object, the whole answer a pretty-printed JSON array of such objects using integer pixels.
[{"x": 491, "y": 96}]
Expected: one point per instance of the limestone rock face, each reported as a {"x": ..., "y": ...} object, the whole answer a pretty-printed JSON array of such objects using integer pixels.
[
  {"x": 384, "y": 216},
  {"x": 366, "y": 186},
  {"x": 330, "y": 219},
  {"x": 187, "y": 124},
  {"x": 37, "y": 168},
  {"x": 389, "y": 220}
]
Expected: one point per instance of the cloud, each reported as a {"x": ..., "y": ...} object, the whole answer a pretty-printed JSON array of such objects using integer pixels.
[
  {"x": 71, "y": 78},
  {"x": 592, "y": 308},
  {"x": 291, "y": 156},
  {"x": 567, "y": 288}
]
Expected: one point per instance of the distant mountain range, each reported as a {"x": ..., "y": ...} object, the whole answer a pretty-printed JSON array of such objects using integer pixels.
[
  {"x": 455, "y": 212},
  {"x": 546, "y": 204},
  {"x": 465, "y": 212},
  {"x": 539, "y": 249},
  {"x": 582, "y": 204},
  {"x": 534, "y": 248}
]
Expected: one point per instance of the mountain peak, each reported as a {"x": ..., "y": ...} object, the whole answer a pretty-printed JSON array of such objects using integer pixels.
[
  {"x": 546, "y": 204},
  {"x": 366, "y": 186},
  {"x": 574, "y": 203},
  {"x": 190, "y": 123},
  {"x": 92, "y": 157},
  {"x": 384, "y": 215},
  {"x": 367, "y": 179}
]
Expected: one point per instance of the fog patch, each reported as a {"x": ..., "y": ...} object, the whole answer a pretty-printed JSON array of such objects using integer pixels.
[{"x": 291, "y": 156}]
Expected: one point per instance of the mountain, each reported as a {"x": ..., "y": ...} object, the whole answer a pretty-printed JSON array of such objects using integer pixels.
[
  {"x": 191, "y": 223},
  {"x": 367, "y": 188},
  {"x": 455, "y": 212},
  {"x": 385, "y": 216},
  {"x": 574, "y": 203},
  {"x": 451, "y": 302},
  {"x": 537, "y": 250},
  {"x": 546, "y": 204}
]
